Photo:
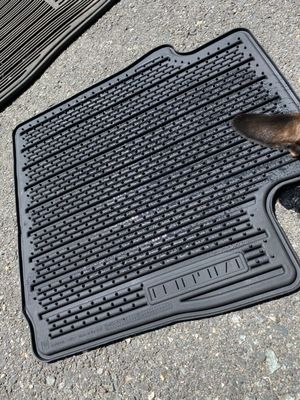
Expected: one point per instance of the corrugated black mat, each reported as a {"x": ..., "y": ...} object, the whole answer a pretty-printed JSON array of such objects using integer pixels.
[
  {"x": 139, "y": 206},
  {"x": 32, "y": 32}
]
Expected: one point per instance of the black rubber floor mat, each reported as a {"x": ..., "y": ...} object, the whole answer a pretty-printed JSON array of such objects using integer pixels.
[
  {"x": 139, "y": 206},
  {"x": 33, "y": 31}
]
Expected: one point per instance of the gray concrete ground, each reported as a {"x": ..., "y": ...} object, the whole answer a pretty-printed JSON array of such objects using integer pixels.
[{"x": 250, "y": 354}]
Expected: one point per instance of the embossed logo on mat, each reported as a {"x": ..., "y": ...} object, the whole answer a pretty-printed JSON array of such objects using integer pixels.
[{"x": 197, "y": 278}]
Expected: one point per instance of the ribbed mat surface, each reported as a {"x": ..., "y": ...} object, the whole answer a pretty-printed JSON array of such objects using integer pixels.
[
  {"x": 139, "y": 206},
  {"x": 32, "y": 31}
]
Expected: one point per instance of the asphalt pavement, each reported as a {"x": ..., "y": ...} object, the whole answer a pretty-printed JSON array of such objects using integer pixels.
[{"x": 249, "y": 354}]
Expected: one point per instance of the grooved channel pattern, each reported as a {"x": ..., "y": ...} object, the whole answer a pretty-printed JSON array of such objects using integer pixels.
[{"x": 137, "y": 178}]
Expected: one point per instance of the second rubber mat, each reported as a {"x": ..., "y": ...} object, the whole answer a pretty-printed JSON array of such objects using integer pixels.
[{"x": 33, "y": 31}]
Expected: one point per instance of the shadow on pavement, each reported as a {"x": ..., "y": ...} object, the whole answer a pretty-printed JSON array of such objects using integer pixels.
[{"x": 289, "y": 197}]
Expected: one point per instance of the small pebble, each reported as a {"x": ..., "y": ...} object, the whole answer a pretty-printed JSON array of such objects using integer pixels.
[
  {"x": 271, "y": 361},
  {"x": 128, "y": 378},
  {"x": 162, "y": 377},
  {"x": 50, "y": 380},
  {"x": 151, "y": 396},
  {"x": 236, "y": 319}
]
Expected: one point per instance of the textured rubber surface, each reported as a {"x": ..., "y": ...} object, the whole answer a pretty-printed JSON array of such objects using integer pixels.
[
  {"x": 33, "y": 31},
  {"x": 139, "y": 206}
]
